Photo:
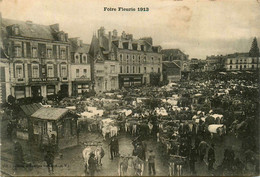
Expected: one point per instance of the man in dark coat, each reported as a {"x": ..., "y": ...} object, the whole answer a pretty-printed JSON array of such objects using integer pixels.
[
  {"x": 211, "y": 157},
  {"x": 49, "y": 159},
  {"x": 92, "y": 164},
  {"x": 18, "y": 155},
  {"x": 192, "y": 160},
  {"x": 112, "y": 148}
]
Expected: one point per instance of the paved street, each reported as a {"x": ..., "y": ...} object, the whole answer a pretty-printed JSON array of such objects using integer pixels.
[{"x": 72, "y": 162}]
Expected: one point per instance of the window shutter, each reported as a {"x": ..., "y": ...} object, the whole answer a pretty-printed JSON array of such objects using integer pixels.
[
  {"x": 40, "y": 70},
  {"x": 29, "y": 67},
  {"x": 28, "y": 49},
  {"x": 23, "y": 70},
  {"x": 55, "y": 70},
  {"x": 55, "y": 51}
]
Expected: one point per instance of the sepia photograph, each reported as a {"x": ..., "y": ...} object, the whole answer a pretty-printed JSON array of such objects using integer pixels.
[{"x": 129, "y": 87}]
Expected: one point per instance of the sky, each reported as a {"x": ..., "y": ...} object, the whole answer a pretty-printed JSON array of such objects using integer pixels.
[{"x": 200, "y": 28}]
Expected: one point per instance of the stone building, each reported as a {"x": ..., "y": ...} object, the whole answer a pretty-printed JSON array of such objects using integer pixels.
[
  {"x": 240, "y": 61},
  {"x": 122, "y": 61},
  {"x": 38, "y": 58},
  {"x": 177, "y": 60},
  {"x": 215, "y": 62},
  {"x": 80, "y": 71}
]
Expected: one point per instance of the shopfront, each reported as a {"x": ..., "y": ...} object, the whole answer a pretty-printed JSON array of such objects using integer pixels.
[
  {"x": 43, "y": 86},
  {"x": 19, "y": 92},
  {"x": 80, "y": 86},
  {"x": 130, "y": 80},
  {"x": 36, "y": 90}
]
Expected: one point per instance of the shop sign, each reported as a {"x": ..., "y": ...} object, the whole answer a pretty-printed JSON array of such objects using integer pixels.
[{"x": 44, "y": 79}]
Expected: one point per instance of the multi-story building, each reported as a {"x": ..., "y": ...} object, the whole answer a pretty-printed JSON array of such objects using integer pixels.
[
  {"x": 179, "y": 62},
  {"x": 240, "y": 61},
  {"x": 122, "y": 61},
  {"x": 215, "y": 62},
  {"x": 80, "y": 71},
  {"x": 38, "y": 58}
]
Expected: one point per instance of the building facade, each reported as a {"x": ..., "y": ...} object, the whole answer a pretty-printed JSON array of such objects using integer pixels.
[
  {"x": 214, "y": 63},
  {"x": 80, "y": 71},
  {"x": 179, "y": 62},
  {"x": 122, "y": 61},
  {"x": 241, "y": 61},
  {"x": 38, "y": 58},
  {"x": 5, "y": 90}
]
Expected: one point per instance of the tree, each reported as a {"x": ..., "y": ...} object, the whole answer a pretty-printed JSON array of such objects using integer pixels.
[{"x": 254, "y": 51}]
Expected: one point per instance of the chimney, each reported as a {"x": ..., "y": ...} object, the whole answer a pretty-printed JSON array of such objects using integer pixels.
[
  {"x": 114, "y": 33},
  {"x": 55, "y": 27},
  {"x": 80, "y": 43},
  {"x": 123, "y": 35},
  {"x": 109, "y": 41},
  {"x": 66, "y": 37}
]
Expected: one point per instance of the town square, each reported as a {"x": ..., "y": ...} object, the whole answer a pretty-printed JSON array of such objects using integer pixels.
[{"x": 178, "y": 96}]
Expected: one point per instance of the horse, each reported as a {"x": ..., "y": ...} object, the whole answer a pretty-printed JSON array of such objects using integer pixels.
[{"x": 98, "y": 151}]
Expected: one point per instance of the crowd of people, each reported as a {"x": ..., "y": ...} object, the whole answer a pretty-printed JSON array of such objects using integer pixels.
[{"x": 178, "y": 117}]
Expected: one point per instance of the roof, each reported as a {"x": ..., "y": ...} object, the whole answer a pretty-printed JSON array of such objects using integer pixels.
[
  {"x": 50, "y": 113},
  {"x": 84, "y": 48},
  {"x": 172, "y": 52},
  {"x": 170, "y": 65},
  {"x": 234, "y": 55},
  {"x": 30, "y": 30},
  {"x": 30, "y": 109}
]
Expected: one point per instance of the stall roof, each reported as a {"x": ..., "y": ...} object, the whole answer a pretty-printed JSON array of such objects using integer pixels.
[
  {"x": 31, "y": 108},
  {"x": 50, "y": 113}
]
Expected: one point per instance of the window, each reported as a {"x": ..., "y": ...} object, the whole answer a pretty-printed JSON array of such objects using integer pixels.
[
  {"x": 16, "y": 30},
  {"x": 19, "y": 70},
  {"x": 62, "y": 54},
  {"x": 50, "y": 89},
  {"x": 237, "y": 61},
  {"x": 84, "y": 59},
  {"x": 230, "y": 61},
  {"x": 121, "y": 57},
  {"x": 144, "y": 69},
  {"x": 236, "y": 66},
  {"x": 152, "y": 59},
  {"x": 152, "y": 69},
  {"x": 63, "y": 71},
  {"x": 50, "y": 71},
  {"x": 159, "y": 59},
  {"x": 19, "y": 92},
  {"x": 127, "y": 69},
  {"x": 77, "y": 72},
  {"x": 17, "y": 51},
  {"x": 35, "y": 71},
  {"x": 159, "y": 70},
  {"x": 121, "y": 69},
  {"x": 144, "y": 58},
  {"x": 253, "y": 61},
  {"x": 139, "y": 59},
  {"x": 133, "y": 69},
  {"x": 253, "y": 66},
  {"x": 127, "y": 56},
  {"x": 77, "y": 58},
  {"x": 244, "y": 66},
  {"x": 112, "y": 68},
  {"x": 49, "y": 53},
  {"x": 230, "y": 66},
  {"x": 85, "y": 72},
  {"x": 139, "y": 69},
  {"x": 34, "y": 52}
]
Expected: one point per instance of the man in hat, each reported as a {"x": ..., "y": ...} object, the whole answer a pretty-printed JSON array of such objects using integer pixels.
[
  {"x": 92, "y": 164},
  {"x": 112, "y": 148},
  {"x": 211, "y": 157},
  {"x": 151, "y": 162},
  {"x": 192, "y": 160}
]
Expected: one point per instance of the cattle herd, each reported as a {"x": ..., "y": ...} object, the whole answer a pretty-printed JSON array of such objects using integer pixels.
[{"x": 179, "y": 115}]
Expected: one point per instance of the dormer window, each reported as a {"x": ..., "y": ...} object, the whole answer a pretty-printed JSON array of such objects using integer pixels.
[
  {"x": 16, "y": 30},
  {"x": 62, "y": 54},
  {"x": 84, "y": 60}
]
